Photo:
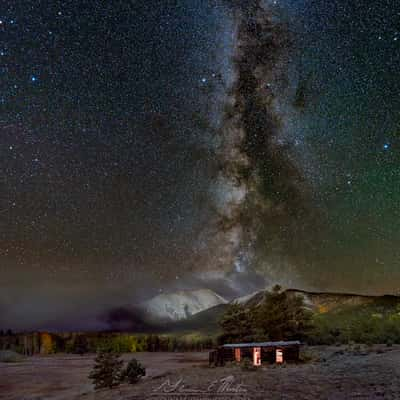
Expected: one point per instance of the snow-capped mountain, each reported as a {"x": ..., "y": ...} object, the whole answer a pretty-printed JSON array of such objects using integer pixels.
[{"x": 181, "y": 304}]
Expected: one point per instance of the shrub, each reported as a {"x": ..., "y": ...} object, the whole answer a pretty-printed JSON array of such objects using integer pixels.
[
  {"x": 247, "y": 365},
  {"x": 134, "y": 371},
  {"x": 107, "y": 370},
  {"x": 307, "y": 357}
]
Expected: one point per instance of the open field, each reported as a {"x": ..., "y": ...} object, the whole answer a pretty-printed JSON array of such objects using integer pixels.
[
  {"x": 65, "y": 376},
  {"x": 335, "y": 373}
]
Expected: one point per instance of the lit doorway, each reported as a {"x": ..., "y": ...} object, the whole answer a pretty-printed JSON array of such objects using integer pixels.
[
  {"x": 279, "y": 356},
  {"x": 238, "y": 355},
  {"x": 257, "y": 356}
]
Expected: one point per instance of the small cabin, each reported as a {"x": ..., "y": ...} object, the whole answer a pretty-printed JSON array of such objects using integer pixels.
[{"x": 258, "y": 353}]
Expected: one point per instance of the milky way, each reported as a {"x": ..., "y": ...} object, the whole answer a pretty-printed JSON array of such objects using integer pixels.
[{"x": 259, "y": 190}]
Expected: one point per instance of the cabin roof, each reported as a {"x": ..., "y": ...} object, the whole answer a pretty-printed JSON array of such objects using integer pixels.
[{"x": 263, "y": 344}]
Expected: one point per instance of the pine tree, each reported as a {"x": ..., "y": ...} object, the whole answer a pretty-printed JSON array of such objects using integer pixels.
[
  {"x": 236, "y": 323},
  {"x": 107, "y": 370},
  {"x": 134, "y": 371},
  {"x": 282, "y": 317}
]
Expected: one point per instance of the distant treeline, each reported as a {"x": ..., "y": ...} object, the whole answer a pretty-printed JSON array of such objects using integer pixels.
[
  {"x": 279, "y": 316},
  {"x": 80, "y": 343}
]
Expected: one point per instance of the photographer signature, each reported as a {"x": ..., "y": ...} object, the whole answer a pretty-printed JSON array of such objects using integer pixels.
[{"x": 224, "y": 385}]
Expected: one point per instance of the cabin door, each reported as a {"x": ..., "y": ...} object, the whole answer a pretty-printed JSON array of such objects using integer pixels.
[
  {"x": 279, "y": 356},
  {"x": 238, "y": 355},
  {"x": 257, "y": 356}
]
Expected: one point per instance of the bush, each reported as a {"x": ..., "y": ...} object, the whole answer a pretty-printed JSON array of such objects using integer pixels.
[
  {"x": 307, "y": 356},
  {"x": 107, "y": 370},
  {"x": 134, "y": 371},
  {"x": 247, "y": 365}
]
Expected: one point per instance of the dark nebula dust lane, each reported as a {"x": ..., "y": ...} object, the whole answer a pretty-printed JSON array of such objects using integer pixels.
[
  {"x": 151, "y": 146},
  {"x": 261, "y": 194}
]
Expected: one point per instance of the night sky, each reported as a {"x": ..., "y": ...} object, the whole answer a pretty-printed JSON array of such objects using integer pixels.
[{"x": 149, "y": 146}]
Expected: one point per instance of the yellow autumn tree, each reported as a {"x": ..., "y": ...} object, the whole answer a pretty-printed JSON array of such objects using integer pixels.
[{"x": 47, "y": 344}]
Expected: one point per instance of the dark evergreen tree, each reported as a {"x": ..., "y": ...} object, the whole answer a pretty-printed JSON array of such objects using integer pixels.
[
  {"x": 107, "y": 370},
  {"x": 134, "y": 371},
  {"x": 237, "y": 324},
  {"x": 282, "y": 316}
]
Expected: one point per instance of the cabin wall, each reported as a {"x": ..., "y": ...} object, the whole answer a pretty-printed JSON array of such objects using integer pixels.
[
  {"x": 291, "y": 353},
  {"x": 228, "y": 355},
  {"x": 268, "y": 355},
  {"x": 247, "y": 353}
]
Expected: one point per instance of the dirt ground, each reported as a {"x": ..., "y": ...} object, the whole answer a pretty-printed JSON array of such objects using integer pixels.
[{"x": 334, "y": 373}]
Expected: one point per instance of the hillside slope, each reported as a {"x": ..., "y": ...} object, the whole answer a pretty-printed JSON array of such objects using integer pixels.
[{"x": 333, "y": 308}]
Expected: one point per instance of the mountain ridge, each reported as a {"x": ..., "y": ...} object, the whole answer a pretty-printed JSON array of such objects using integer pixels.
[{"x": 318, "y": 302}]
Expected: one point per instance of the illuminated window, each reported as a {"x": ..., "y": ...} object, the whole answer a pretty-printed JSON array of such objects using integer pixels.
[
  {"x": 279, "y": 356},
  {"x": 238, "y": 355},
  {"x": 257, "y": 356}
]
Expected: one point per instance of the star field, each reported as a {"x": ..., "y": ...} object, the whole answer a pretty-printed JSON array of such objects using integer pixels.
[
  {"x": 103, "y": 168},
  {"x": 352, "y": 124}
]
